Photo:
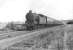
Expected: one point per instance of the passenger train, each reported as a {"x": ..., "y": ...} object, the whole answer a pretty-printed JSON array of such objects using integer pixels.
[{"x": 36, "y": 21}]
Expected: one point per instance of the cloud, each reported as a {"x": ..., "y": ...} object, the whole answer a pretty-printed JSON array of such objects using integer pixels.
[{"x": 14, "y": 10}]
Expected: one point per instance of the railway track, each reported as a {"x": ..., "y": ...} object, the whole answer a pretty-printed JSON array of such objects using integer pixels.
[
  {"x": 4, "y": 35},
  {"x": 4, "y": 43}
]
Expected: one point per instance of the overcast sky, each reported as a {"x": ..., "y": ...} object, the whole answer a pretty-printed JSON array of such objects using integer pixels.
[{"x": 15, "y": 10}]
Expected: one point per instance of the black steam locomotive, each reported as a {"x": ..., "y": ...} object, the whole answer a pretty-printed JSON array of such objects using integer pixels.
[{"x": 35, "y": 21}]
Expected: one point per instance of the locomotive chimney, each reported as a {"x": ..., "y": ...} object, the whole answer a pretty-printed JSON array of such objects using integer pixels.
[{"x": 30, "y": 11}]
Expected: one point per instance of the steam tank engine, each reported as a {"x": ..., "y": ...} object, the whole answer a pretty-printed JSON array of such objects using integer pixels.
[{"x": 34, "y": 21}]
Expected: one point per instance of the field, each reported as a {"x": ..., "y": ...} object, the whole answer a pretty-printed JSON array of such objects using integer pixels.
[{"x": 60, "y": 38}]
